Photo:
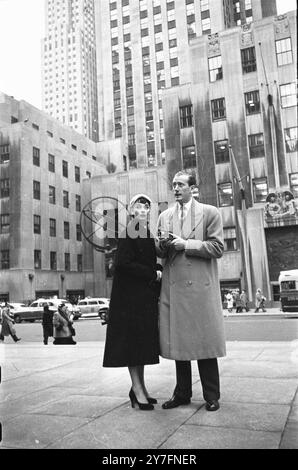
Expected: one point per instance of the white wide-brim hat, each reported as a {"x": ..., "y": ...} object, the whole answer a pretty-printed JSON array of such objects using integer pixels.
[{"x": 139, "y": 196}]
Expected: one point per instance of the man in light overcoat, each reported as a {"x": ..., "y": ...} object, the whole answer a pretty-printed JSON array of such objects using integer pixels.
[{"x": 191, "y": 319}]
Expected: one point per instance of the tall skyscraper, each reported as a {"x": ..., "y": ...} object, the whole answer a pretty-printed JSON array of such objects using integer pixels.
[
  {"x": 69, "y": 65},
  {"x": 142, "y": 48}
]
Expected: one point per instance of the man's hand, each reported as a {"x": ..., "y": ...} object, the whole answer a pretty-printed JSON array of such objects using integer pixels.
[{"x": 178, "y": 243}]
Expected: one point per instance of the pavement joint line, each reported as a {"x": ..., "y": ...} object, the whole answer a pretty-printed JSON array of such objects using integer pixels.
[
  {"x": 178, "y": 427},
  {"x": 45, "y": 370},
  {"x": 236, "y": 428},
  {"x": 288, "y": 417},
  {"x": 84, "y": 424}
]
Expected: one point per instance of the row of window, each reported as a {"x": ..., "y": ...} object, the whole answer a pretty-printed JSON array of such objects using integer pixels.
[
  {"x": 5, "y": 157},
  {"x": 255, "y": 144},
  {"x": 5, "y": 260},
  {"x": 5, "y": 192},
  {"x": 5, "y": 227},
  {"x": 259, "y": 187},
  {"x": 288, "y": 97},
  {"x": 248, "y": 59}
]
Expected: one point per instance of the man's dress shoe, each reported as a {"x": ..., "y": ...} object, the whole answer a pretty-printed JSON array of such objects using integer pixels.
[
  {"x": 212, "y": 405},
  {"x": 174, "y": 402}
]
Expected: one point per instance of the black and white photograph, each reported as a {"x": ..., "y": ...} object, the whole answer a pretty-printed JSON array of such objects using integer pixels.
[{"x": 148, "y": 229}]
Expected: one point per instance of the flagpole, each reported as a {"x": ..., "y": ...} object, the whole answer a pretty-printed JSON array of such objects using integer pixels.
[{"x": 242, "y": 226}]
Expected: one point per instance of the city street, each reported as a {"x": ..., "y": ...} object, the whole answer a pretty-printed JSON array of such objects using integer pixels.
[{"x": 241, "y": 328}]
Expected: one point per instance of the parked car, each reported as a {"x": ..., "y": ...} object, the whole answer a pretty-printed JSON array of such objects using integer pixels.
[
  {"x": 35, "y": 310},
  {"x": 93, "y": 306},
  {"x": 32, "y": 312}
]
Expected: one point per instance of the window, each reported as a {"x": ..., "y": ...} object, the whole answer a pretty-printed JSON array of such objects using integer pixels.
[
  {"x": 186, "y": 116},
  {"x": 284, "y": 51},
  {"x": 88, "y": 174},
  {"x": 4, "y": 223},
  {"x": 206, "y": 26},
  {"x": 4, "y": 187},
  {"x": 62, "y": 140},
  {"x": 4, "y": 153},
  {"x": 36, "y": 189},
  {"x": 291, "y": 138},
  {"x": 189, "y": 157},
  {"x": 260, "y": 189},
  {"x": 51, "y": 163},
  {"x": 37, "y": 259},
  {"x": 5, "y": 263},
  {"x": 74, "y": 147},
  {"x": 78, "y": 203},
  {"x": 78, "y": 233},
  {"x": 252, "y": 102},
  {"x": 77, "y": 174},
  {"x": 293, "y": 177},
  {"x": 230, "y": 239},
  {"x": 52, "y": 227},
  {"x": 221, "y": 150},
  {"x": 36, "y": 156},
  {"x": 225, "y": 194},
  {"x": 66, "y": 230},
  {"x": 64, "y": 168},
  {"x": 204, "y": 5},
  {"x": 248, "y": 59},
  {"x": 80, "y": 263},
  {"x": 288, "y": 95},
  {"x": 67, "y": 261},
  {"x": 65, "y": 199},
  {"x": 50, "y": 134},
  {"x": 36, "y": 223},
  {"x": 256, "y": 145},
  {"x": 52, "y": 195},
  {"x": 215, "y": 68},
  {"x": 53, "y": 260},
  {"x": 218, "y": 108}
]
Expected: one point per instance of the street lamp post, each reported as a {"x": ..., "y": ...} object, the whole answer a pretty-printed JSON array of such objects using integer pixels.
[{"x": 241, "y": 216}]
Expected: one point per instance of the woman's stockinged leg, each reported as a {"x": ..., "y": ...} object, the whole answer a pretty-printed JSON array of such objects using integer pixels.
[{"x": 137, "y": 379}]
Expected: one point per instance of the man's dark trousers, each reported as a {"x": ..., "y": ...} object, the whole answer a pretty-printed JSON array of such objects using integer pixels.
[{"x": 209, "y": 375}]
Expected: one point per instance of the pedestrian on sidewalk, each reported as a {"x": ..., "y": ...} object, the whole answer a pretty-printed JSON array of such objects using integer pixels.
[
  {"x": 132, "y": 330},
  {"x": 63, "y": 329},
  {"x": 244, "y": 301},
  {"x": 7, "y": 327},
  {"x": 230, "y": 301},
  {"x": 47, "y": 323},
  {"x": 190, "y": 318},
  {"x": 237, "y": 300},
  {"x": 260, "y": 301}
]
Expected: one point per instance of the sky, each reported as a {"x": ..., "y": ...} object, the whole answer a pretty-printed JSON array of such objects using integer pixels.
[{"x": 22, "y": 26}]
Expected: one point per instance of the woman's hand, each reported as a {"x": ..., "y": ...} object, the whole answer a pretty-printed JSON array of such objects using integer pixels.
[{"x": 158, "y": 275}]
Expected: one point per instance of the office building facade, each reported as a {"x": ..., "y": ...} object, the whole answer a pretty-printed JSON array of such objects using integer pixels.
[
  {"x": 43, "y": 165},
  {"x": 142, "y": 48},
  {"x": 239, "y": 113},
  {"x": 69, "y": 88}
]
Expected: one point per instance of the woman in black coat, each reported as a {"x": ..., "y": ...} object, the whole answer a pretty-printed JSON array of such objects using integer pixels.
[
  {"x": 47, "y": 323},
  {"x": 132, "y": 331}
]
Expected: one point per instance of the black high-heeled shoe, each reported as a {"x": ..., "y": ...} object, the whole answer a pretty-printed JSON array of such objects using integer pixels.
[
  {"x": 142, "y": 406},
  {"x": 151, "y": 400}
]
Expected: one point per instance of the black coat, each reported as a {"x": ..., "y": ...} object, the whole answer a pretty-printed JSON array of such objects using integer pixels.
[
  {"x": 132, "y": 331},
  {"x": 47, "y": 322}
]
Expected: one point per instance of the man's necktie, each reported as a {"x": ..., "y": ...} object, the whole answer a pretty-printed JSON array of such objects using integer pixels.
[{"x": 182, "y": 215}]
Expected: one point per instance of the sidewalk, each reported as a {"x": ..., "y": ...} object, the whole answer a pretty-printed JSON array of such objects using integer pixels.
[{"x": 61, "y": 398}]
